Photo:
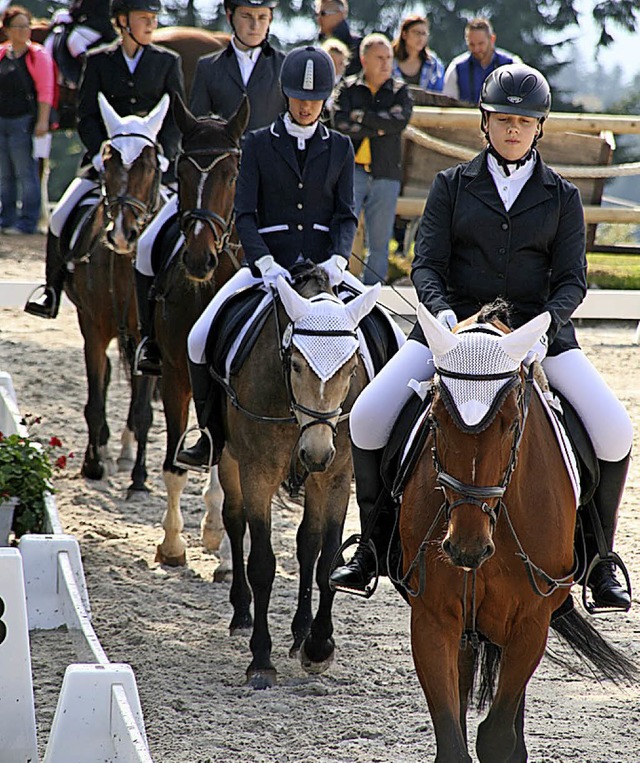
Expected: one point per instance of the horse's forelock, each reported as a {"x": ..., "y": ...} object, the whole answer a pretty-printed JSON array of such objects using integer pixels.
[
  {"x": 497, "y": 313},
  {"x": 309, "y": 279}
]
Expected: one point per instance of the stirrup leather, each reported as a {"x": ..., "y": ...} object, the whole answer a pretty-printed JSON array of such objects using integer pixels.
[{"x": 369, "y": 590}]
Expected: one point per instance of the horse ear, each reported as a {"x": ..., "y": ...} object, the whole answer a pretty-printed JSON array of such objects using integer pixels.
[
  {"x": 155, "y": 118},
  {"x": 363, "y": 304},
  {"x": 184, "y": 118},
  {"x": 439, "y": 338},
  {"x": 238, "y": 121},
  {"x": 296, "y": 306},
  {"x": 518, "y": 343},
  {"x": 110, "y": 116}
]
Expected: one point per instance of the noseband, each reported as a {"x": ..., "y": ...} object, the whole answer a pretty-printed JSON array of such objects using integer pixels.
[
  {"x": 142, "y": 211},
  {"x": 220, "y": 228}
]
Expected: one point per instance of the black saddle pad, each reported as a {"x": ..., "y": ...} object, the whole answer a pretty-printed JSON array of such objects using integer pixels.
[
  {"x": 70, "y": 67},
  {"x": 164, "y": 243},
  {"x": 231, "y": 318},
  {"x": 76, "y": 239}
]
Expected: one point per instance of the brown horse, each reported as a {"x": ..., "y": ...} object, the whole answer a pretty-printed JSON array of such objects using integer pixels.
[
  {"x": 286, "y": 415},
  {"x": 488, "y": 519},
  {"x": 101, "y": 283},
  {"x": 207, "y": 171}
]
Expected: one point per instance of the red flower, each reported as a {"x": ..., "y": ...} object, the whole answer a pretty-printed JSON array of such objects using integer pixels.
[
  {"x": 54, "y": 442},
  {"x": 61, "y": 462}
]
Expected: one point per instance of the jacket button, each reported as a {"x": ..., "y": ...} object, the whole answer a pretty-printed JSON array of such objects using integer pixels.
[
  {"x": 500, "y": 276},
  {"x": 132, "y": 100},
  {"x": 300, "y": 227},
  {"x": 131, "y": 83},
  {"x": 505, "y": 226},
  {"x": 502, "y": 250},
  {"x": 299, "y": 206},
  {"x": 300, "y": 185}
]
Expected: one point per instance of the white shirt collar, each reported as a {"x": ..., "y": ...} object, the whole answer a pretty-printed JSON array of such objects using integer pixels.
[
  {"x": 132, "y": 62},
  {"x": 246, "y": 59},
  {"x": 509, "y": 186}
]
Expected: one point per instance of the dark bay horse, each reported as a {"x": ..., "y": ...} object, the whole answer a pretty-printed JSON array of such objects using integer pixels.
[
  {"x": 288, "y": 415},
  {"x": 488, "y": 517},
  {"x": 207, "y": 171},
  {"x": 101, "y": 284}
]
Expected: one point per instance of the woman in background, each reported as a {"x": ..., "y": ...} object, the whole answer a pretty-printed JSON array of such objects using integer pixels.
[{"x": 414, "y": 62}]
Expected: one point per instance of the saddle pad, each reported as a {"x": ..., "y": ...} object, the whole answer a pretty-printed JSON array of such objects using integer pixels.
[
  {"x": 78, "y": 224},
  {"x": 409, "y": 433},
  {"x": 167, "y": 243}
]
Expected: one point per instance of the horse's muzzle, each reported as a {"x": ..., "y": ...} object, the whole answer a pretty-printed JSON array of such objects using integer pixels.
[{"x": 470, "y": 557}]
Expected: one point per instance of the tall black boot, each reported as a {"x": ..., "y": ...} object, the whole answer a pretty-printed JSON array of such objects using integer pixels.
[
  {"x": 607, "y": 591},
  {"x": 207, "y": 398},
  {"x": 148, "y": 358},
  {"x": 45, "y": 301},
  {"x": 376, "y": 522}
]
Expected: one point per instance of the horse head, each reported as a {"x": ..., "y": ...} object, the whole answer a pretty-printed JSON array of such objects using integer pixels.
[
  {"x": 319, "y": 347},
  {"x": 131, "y": 169},
  {"x": 207, "y": 169},
  {"x": 477, "y": 418}
]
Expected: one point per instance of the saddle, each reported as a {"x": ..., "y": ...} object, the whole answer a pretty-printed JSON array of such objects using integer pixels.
[
  {"x": 165, "y": 245},
  {"x": 80, "y": 232},
  {"x": 70, "y": 68}
]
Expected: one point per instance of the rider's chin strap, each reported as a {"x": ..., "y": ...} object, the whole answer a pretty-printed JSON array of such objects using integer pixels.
[{"x": 509, "y": 167}]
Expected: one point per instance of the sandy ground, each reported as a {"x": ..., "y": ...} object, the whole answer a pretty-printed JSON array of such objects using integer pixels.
[{"x": 172, "y": 625}]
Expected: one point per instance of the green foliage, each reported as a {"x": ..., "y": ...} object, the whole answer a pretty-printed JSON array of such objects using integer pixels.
[{"x": 613, "y": 271}]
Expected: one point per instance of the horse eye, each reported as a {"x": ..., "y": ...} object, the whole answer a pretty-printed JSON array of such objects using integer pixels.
[{"x": 296, "y": 366}]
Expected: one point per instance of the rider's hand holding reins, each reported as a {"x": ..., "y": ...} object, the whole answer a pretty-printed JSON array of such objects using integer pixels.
[
  {"x": 334, "y": 267},
  {"x": 270, "y": 270}
]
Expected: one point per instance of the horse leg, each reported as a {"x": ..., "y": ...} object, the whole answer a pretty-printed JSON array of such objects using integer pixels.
[
  {"x": 235, "y": 524},
  {"x": 497, "y": 735},
  {"x": 466, "y": 670},
  {"x": 435, "y": 647},
  {"x": 327, "y": 506},
  {"x": 519, "y": 754},
  {"x": 212, "y": 526},
  {"x": 175, "y": 398},
  {"x": 140, "y": 420},
  {"x": 98, "y": 366}
]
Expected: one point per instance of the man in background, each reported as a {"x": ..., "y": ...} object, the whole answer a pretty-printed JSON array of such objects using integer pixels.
[
  {"x": 331, "y": 16},
  {"x": 465, "y": 75}
]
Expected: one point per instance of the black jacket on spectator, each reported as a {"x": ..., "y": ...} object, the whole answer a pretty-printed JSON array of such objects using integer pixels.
[
  {"x": 105, "y": 71},
  {"x": 343, "y": 33},
  {"x": 218, "y": 87},
  {"x": 385, "y": 116},
  {"x": 287, "y": 213},
  {"x": 470, "y": 250}
]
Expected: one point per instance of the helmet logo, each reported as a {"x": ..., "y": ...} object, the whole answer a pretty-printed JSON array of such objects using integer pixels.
[
  {"x": 514, "y": 99},
  {"x": 307, "y": 83}
]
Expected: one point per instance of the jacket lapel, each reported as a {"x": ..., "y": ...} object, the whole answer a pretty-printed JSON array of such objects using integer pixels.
[
  {"x": 317, "y": 145},
  {"x": 481, "y": 183},
  {"x": 233, "y": 68},
  {"x": 535, "y": 191},
  {"x": 283, "y": 145}
]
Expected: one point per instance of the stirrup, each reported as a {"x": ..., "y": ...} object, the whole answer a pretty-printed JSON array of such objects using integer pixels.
[
  {"x": 42, "y": 291},
  {"x": 591, "y": 607},
  {"x": 136, "y": 360},
  {"x": 369, "y": 590},
  {"x": 193, "y": 467}
]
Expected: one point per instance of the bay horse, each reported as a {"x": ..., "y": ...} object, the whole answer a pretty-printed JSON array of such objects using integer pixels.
[
  {"x": 207, "y": 168},
  {"x": 101, "y": 284},
  {"x": 487, "y": 522},
  {"x": 285, "y": 411}
]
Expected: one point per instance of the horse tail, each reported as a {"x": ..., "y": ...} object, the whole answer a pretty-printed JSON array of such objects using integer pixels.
[
  {"x": 594, "y": 652},
  {"x": 488, "y": 667}
]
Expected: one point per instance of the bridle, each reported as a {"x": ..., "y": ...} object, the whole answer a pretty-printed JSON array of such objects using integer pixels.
[
  {"x": 142, "y": 211},
  {"x": 221, "y": 228}
]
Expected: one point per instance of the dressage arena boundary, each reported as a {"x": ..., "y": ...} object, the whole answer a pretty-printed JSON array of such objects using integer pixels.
[{"x": 42, "y": 586}]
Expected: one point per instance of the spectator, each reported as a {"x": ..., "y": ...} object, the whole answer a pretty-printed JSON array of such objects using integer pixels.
[
  {"x": 373, "y": 108},
  {"x": 466, "y": 73},
  {"x": 26, "y": 96},
  {"x": 415, "y": 63},
  {"x": 340, "y": 55},
  {"x": 332, "y": 21}
]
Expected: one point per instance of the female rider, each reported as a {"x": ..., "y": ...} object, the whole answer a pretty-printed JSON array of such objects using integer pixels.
[
  {"x": 502, "y": 225},
  {"x": 294, "y": 201},
  {"x": 133, "y": 74}
]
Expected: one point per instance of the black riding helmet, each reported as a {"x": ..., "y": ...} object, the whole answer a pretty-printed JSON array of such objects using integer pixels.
[
  {"x": 308, "y": 74},
  {"x": 123, "y": 7}
]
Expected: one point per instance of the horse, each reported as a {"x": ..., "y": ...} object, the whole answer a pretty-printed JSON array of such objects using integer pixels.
[
  {"x": 100, "y": 283},
  {"x": 487, "y": 522},
  {"x": 285, "y": 412},
  {"x": 207, "y": 168}
]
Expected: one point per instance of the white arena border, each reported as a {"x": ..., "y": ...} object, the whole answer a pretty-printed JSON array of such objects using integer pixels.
[{"x": 98, "y": 717}]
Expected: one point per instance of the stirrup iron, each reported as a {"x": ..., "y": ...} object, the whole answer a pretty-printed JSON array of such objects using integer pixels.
[
  {"x": 591, "y": 607},
  {"x": 192, "y": 467},
  {"x": 367, "y": 593}
]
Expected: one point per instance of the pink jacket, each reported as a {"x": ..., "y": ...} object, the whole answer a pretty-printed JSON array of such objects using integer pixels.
[{"x": 41, "y": 68}]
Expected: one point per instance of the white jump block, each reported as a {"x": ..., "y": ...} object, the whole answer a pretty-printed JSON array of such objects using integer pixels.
[
  {"x": 98, "y": 718},
  {"x": 17, "y": 712}
]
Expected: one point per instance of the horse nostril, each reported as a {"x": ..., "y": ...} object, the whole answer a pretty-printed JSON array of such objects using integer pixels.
[
  {"x": 447, "y": 547},
  {"x": 489, "y": 551}
]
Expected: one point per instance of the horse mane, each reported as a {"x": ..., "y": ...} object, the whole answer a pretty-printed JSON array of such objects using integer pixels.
[
  {"x": 496, "y": 312},
  {"x": 309, "y": 279}
]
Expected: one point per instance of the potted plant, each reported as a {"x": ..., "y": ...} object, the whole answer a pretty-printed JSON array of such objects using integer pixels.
[{"x": 26, "y": 469}]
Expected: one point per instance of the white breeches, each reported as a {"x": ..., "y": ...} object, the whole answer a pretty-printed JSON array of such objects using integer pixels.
[
  {"x": 80, "y": 38},
  {"x": 145, "y": 242},
  {"x": 77, "y": 188},
  {"x": 571, "y": 373}
]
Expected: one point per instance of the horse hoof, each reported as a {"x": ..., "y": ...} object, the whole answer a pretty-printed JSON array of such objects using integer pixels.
[
  {"x": 294, "y": 651},
  {"x": 315, "y": 667},
  {"x": 241, "y": 624},
  {"x": 171, "y": 561},
  {"x": 135, "y": 490},
  {"x": 93, "y": 471},
  {"x": 262, "y": 679},
  {"x": 211, "y": 539},
  {"x": 223, "y": 575}
]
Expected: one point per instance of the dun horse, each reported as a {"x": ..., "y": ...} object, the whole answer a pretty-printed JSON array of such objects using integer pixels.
[
  {"x": 291, "y": 398},
  {"x": 207, "y": 171},
  {"x": 488, "y": 518},
  {"x": 101, "y": 284}
]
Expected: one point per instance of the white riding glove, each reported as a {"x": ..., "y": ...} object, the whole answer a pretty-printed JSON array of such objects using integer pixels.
[
  {"x": 270, "y": 270},
  {"x": 537, "y": 352},
  {"x": 334, "y": 267},
  {"x": 447, "y": 318}
]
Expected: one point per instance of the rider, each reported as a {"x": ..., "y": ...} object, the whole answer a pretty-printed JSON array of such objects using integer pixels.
[
  {"x": 294, "y": 201},
  {"x": 133, "y": 74},
  {"x": 502, "y": 225},
  {"x": 247, "y": 66}
]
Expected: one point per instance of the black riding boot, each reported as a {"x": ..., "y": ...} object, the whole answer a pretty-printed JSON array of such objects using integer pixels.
[
  {"x": 375, "y": 522},
  {"x": 607, "y": 591},
  {"x": 207, "y": 398},
  {"x": 148, "y": 357},
  {"x": 56, "y": 272}
]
